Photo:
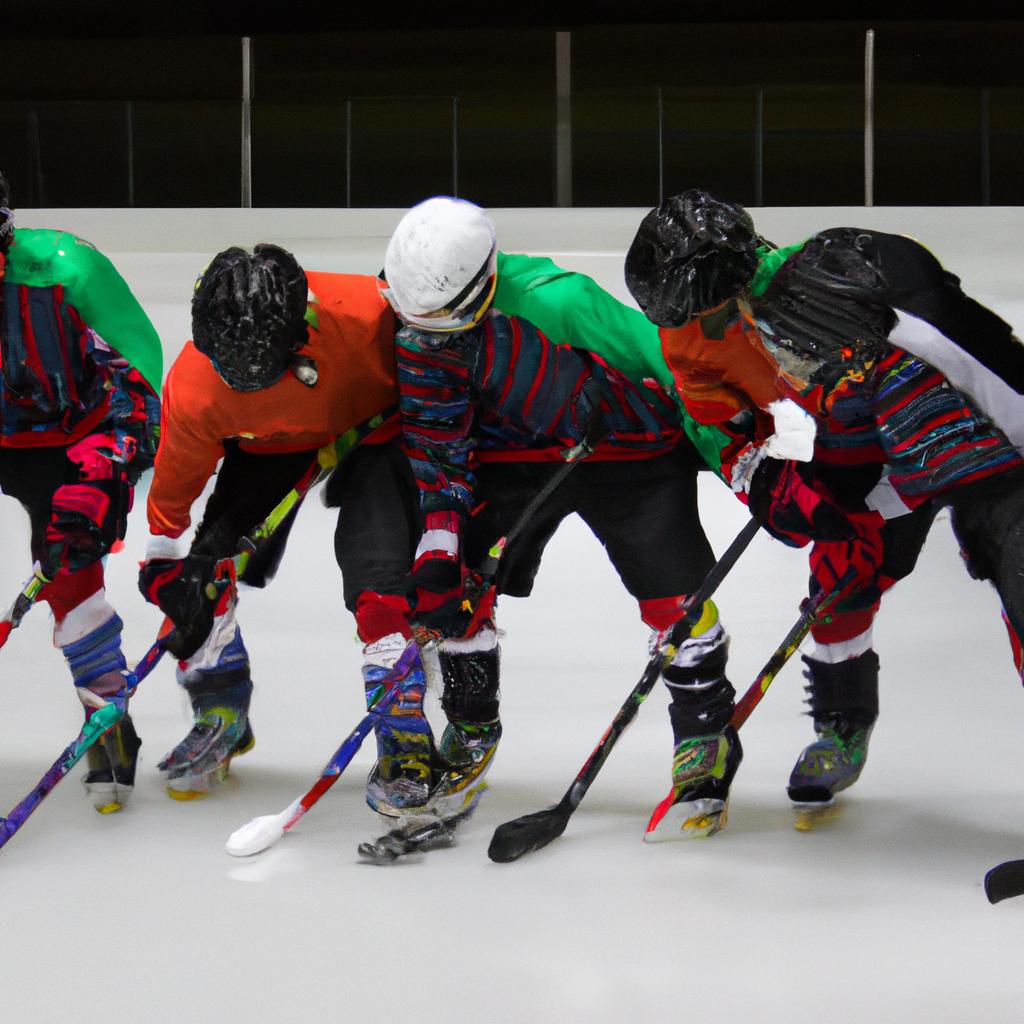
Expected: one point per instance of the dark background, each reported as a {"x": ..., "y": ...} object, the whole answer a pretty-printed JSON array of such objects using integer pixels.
[{"x": 111, "y": 104}]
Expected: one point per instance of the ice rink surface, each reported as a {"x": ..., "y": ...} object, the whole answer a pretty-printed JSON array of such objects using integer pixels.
[{"x": 876, "y": 916}]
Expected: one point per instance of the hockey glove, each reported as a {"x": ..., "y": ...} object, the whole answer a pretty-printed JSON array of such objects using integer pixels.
[
  {"x": 88, "y": 518},
  {"x": 793, "y": 439},
  {"x": 791, "y": 508},
  {"x": 831, "y": 562},
  {"x": 189, "y": 592}
]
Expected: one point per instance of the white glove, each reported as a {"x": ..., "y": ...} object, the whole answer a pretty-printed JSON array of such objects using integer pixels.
[
  {"x": 794, "y": 432},
  {"x": 793, "y": 440}
]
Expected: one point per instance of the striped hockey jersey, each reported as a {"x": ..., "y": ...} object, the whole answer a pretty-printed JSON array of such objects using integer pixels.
[{"x": 503, "y": 391}]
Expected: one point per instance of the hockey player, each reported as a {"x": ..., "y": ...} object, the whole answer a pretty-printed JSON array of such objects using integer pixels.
[
  {"x": 834, "y": 323},
  {"x": 488, "y": 403},
  {"x": 80, "y": 369},
  {"x": 281, "y": 364}
]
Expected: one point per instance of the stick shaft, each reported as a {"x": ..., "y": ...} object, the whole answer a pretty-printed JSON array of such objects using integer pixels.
[
  {"x": 625, "y": 715},
  {"x": 337, "y": 764},
  {"x": 813, "y": 610},
  {"x": 22, "y": 603},
  {"x": 342, "y": 757}
]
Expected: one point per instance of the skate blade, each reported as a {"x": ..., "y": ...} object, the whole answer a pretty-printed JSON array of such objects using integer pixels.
[
  {"x": 107, "y": 798},
  {"x": 693, "y": 819},
  {"x": 195, "y": 787},
  {"x": 421, "y": 833},
  {"x": 186, "y": 794},
  {"x": 402, "y": 842},
  {"x": 809, "y": 816}
]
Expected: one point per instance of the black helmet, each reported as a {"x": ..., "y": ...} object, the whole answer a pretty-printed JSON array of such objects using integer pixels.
[
  {"x": 6, "y": 214},
  {"x": 691, "y": 253},
  {"x": 248, "y": 315},
  {"x": 826, "y": 311}
]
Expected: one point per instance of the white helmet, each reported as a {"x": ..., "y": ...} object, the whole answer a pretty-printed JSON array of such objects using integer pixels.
[{"x": 440, "y": 265}]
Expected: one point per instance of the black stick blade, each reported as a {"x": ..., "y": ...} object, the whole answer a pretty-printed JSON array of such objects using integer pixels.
[
  {"x": 528, "y": 833},
  {"x": 1005, "y": 880}
]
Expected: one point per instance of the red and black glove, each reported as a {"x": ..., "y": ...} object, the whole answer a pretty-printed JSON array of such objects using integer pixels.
[
  {"x": 89, "y": 517},
  {"x": 831, "y": 563},
  {"x": 190, "y": 592},
  {"x": 793, "y": 507}
]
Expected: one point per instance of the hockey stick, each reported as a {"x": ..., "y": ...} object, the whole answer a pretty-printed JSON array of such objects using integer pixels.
[
  {"x": 108, "y": 716},
  {"x": 813, "y": 610},
  {"x": 487, "y": 572},
  {"x": 534, "y": 831},
  {"x": 1005, "y": 881},
  {"x": 13, "y": 616},
  {"x": 261, "y": 833},
  {"x": 596, "y": 431}
]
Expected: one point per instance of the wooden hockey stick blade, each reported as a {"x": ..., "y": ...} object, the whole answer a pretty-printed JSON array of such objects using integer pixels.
[{"x": 1005, "y": 881}]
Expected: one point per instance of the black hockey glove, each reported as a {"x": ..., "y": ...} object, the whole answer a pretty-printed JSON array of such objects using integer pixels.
[{"x": 188, "y": 592}]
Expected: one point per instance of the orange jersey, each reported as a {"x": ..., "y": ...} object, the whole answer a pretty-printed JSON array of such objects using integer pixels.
[
  {"x": 351, "y": 338},
  {"x": 720, "y": 367}
]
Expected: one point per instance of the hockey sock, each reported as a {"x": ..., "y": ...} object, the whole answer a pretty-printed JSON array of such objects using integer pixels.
[{"x": 97, "y": 663}]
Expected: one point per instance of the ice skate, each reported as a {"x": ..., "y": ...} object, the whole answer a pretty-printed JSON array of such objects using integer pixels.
[
  {"x": 811, "y": 814},
  {"x": 831, "y": 764},
  {"x": 698, "y": 804},
  {"x": 469, "y": 669},
  {"x": 707, "y": 750},
  {"x": 844, "y": 703},
  {"x": 466, "y": 754},
  {"x": 221, "y": 732},
  {"x": 426, "y": 828},
  {"x": 111, "y": 761},
  {"x": 98, "y": 665}
]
